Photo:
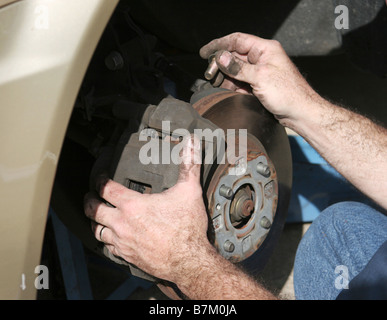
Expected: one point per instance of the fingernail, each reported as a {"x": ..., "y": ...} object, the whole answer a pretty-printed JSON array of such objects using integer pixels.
[
  {"x": 229, "y": 63},
  {"x": 225, "y": 58}
]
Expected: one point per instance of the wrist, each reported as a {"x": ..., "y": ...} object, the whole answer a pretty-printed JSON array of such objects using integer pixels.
[
  {"x": 194, "y": 265},
  {"x": 306, "y": 114},
  {"x": 209, "y": 276}
]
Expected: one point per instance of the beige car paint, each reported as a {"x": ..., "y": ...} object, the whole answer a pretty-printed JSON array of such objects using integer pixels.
[
  {"x": 4, "y": 3},
  {"x": 45, "y": 48}
]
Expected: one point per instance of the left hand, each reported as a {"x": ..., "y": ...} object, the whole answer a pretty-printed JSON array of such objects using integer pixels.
[
  {"x": 162, "y": 234},
  {"x": 262, "y": 67}
]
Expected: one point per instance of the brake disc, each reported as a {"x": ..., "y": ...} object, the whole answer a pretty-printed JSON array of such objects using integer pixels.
[{"x": 248, "y": 208}]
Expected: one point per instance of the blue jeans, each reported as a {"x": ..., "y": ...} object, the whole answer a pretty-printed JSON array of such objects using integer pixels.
[{"x": 336, "y": 247}]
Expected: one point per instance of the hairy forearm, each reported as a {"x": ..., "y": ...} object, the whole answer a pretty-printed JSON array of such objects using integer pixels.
[
  {"x": 354, "y": 145},
  {"x": 215, "y": 278}
]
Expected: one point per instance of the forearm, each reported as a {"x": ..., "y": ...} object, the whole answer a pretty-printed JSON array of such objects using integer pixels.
[
  {"x": 214, "y": 278},
  {"x": 354, "y": 145}
]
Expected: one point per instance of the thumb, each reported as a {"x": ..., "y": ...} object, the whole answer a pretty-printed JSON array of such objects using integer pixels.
[
  {"x": 191, "y": 158},
  {"x": 235, "y": 67}
]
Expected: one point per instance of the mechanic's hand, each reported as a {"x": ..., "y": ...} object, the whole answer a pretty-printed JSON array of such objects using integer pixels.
[
  {"x": 155, "y": 232},
  {"x": 264, "y": 65}
]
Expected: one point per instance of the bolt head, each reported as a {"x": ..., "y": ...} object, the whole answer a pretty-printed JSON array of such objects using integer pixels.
[
  {"x": 229, "y": 246},
  {"x": 265, "y": 223},
  {"x": 263, "y": 169},
  {"x": 226, "y": 192},
  {"x": 114, "y": 61}
]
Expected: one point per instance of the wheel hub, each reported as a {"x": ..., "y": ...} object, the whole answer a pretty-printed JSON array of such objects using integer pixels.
[{"x": 237, "y": 203}]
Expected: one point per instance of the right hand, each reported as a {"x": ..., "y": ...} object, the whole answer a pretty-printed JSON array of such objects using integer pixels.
[
  {"x": 163, "y": 234},
  {"x": 265, "y": 66}
]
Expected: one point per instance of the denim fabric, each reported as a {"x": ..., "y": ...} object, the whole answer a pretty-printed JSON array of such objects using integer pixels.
[
  {"x": 371, "y": 282},
  {"x": 337, "y": 246}
]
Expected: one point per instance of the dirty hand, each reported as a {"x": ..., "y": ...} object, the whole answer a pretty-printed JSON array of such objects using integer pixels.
[
  {"x": 264, "y": 65},
  {"x": 159, "y": 233}
]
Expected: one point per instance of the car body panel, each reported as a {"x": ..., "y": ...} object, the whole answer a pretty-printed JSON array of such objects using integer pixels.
[
  {"x": 45, "y": 49},
  {"x": 4, "y": 3}
]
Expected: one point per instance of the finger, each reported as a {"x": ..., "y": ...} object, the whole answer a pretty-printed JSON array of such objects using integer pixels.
[
  {"x": 247, "y": 91},
  {"x": 219, "y": 78},
  {"x": 97, "y": 211},
  {"x": 191, "y": 156},
  {"x": 112, "y": 253},
  {"x": 114, "y": 192},
  {"x": 102, "y": 233},
  {"x": 112, "y": 249},
  {"x": 235, "y": 67},
  {"x": 236, "y": 42},
  {"x": 229, "y": 84},
  {"x": 242, "y": 57},
  {"x": 235, "y": 85}
]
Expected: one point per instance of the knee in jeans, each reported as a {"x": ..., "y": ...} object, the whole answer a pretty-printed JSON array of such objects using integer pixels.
[
  {"x": 342, "y": 215},
  {"x": 338, "y": 220}
]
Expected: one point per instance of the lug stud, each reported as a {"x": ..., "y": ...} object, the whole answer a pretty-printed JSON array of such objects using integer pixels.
[
  {"x": 226, "y": 191},
  {"x": 263, "y": 169},
  {"x": 229, "y": 246},
  {"x": 265, "y": 223}
]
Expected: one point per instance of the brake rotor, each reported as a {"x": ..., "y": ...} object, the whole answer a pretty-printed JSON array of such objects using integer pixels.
[{"x": 249, "y": 207}]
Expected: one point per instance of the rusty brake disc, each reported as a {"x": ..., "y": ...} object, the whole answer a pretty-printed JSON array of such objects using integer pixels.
[{"x": 247, "y": 223}]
